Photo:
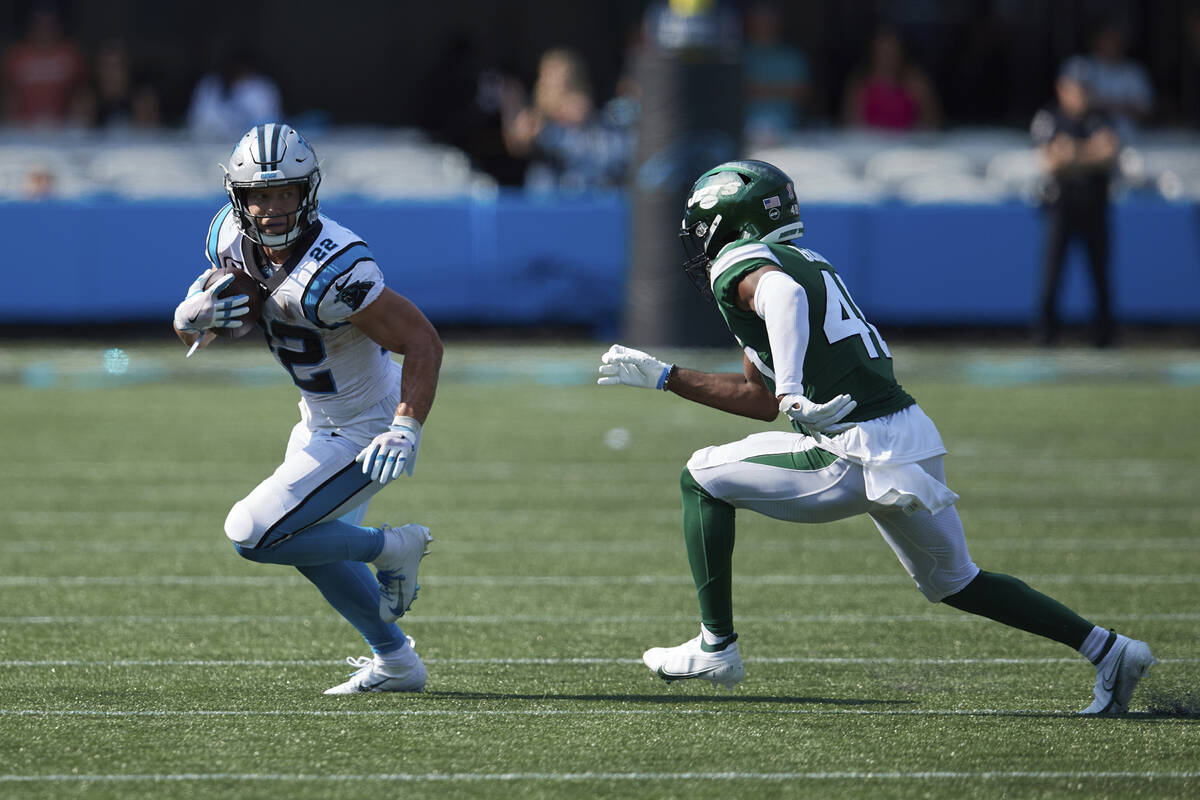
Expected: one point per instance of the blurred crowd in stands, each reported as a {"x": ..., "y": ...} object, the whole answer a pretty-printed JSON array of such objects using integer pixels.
[{"x": 554, "y": 131}]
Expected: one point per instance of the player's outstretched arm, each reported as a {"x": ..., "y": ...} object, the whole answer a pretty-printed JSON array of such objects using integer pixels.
[{"x": 743, "y": 394}]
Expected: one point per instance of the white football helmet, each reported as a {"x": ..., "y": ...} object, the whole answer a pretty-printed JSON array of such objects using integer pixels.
[{"x": 273, "y": 154}]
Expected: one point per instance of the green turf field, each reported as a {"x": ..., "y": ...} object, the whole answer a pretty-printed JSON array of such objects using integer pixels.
[{"x": 140, "y": 657}]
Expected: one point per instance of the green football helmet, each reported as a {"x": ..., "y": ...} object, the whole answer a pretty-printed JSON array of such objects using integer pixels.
[{"x": 732, "y": 201}]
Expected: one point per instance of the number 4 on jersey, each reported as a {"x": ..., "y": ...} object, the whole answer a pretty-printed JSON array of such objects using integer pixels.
[{"x": 843, "y": 319}]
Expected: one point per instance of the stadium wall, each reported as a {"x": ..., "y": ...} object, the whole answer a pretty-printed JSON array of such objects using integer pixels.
[{"x": 517, "y": 260}]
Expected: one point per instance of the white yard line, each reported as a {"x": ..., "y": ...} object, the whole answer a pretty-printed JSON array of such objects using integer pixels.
[
  {"x": 718, "y": 709},
  {"x": 652, "y": 545},
  {"x": 565, "y": 580},
  {"x": 945, "y": 618},
  {"x": 308, "y": 662},
  {"x": 575, "y": 777}
]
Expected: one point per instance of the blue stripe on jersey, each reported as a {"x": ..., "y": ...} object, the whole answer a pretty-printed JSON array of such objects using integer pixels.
[
  {"x": 214, "y": 233},
  {"x": 324, "y": 499},
  {"x": 338, "y": 265}
]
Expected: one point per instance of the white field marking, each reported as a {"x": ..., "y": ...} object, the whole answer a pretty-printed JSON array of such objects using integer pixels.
[
  {"x": 1092, "y": 514},
  {"x": 652, "y": 545},
  {"x": 552, "y": 662},
  {"x": 564, "y": 580},
  {"x": 558, "y": 619},
  {"x": 575, "y": 777},
  {"x": 724, "y": 710}
]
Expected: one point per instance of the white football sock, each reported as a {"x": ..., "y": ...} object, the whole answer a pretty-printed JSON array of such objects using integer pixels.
[
  {"x": 390, "y": 545},
  {"x": 1093, "y": 646},
  {"x": 711, "y": 638},
  {"x": 394, "y": 658}
]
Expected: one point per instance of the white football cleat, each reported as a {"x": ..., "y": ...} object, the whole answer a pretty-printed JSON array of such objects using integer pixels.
[
  {"x": 396, "y": 568},
  {"x": 690, "y": 660},
  {"x": 372, "y": 675},
  {"x": 1117, "y": 675}
]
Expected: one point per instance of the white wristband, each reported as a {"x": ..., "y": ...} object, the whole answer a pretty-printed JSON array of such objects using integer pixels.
[{"x": 405, "y": 423}]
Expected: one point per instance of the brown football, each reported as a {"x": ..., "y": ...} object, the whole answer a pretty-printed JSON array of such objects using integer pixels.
[{"x": 242, "y": 284}]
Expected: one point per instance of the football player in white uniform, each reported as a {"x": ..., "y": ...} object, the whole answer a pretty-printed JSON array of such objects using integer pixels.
[
  {"x": 861, "y": 444},
  {"x": 332, "y": 324}
]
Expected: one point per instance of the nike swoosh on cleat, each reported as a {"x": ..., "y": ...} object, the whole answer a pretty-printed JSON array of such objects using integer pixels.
[
  {"x": 1108, "y": 678},
  {"x": 667, "y": 676}
]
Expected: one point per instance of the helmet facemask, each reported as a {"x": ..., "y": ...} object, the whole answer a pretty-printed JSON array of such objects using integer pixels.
[
  {"x": 267, "y": 156},
  {"x": 695, "y": 251}
]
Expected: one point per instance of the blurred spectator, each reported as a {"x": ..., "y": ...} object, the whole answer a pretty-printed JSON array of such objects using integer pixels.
[
  {"x": 42, "y": 72},
  {"x": 1078, "y": 147},
  {"x": 38, "y": 183},
  {"x": 571, "y": 145},
  {"x": 463, "y": 92},
  {"x": 777, "y": 75},
  {"x": 890, "y": 92},
  {"x": 235, "y": 96},
  {"x": 117, "y": 99},
  {"x": 1116, "y": 85}
]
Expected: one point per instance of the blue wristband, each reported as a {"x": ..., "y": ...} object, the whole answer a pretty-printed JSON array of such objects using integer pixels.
[{"x": 662, "y": 379}]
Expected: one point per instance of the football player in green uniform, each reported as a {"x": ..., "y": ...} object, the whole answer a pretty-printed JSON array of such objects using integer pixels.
[{"x": 861, "y": 444}]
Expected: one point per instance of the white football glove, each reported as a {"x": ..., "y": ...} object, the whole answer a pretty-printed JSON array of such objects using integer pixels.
[
  {"x": 202, "y": 309},
  {"x": 624, "y": 365},
  {"x": 822, "y": 418},
  {"x": 393, "y": 452}
]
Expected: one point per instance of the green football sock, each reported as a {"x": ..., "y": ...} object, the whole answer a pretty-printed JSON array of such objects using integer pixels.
[
  {"x": 1012, "y": 602},
  {"x": 708, "y": 531}
]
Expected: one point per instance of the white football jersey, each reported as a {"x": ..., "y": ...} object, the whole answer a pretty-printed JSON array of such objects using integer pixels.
[{"x": 305, "y": 316}]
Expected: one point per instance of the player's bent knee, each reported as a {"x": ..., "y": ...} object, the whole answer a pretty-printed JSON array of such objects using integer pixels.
[
  {"x": 240, "y": 526},
  {"x": 689, "y": 484},
  {"x": 248, "y": 553},
  {"x": 948, "y": 583}
]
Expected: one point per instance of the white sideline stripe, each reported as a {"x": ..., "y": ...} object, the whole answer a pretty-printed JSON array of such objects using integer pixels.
[
  {"x": 561, "y": 580},
  {"x": 560, "y": 777},
  {"x": 314, "y": 662},
  {"x": 573, "y": 619}
]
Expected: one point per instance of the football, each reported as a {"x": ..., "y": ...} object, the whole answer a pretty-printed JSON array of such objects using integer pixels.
[{"x": 242, "y": 284}]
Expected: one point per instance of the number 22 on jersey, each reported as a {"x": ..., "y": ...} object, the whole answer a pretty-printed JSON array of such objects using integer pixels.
[{"x": 843, "y": 319}]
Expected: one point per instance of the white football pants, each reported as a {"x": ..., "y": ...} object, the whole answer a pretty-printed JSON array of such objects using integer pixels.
[
  {"x": 932, "y": 547},
  {"x": 318, "y": 480}
]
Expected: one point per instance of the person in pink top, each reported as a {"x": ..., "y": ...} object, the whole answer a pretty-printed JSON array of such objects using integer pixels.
[
  {"x": 41, "y": 72},
  {"x": 890, "y": 93}
]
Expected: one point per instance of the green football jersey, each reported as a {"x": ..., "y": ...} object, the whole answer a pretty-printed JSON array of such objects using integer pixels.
[{"x": 845, "y": 354}]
